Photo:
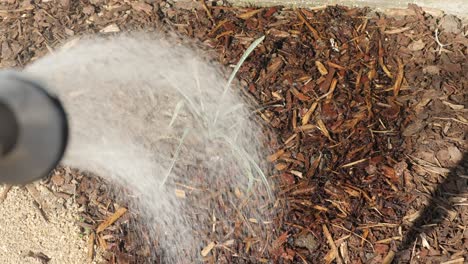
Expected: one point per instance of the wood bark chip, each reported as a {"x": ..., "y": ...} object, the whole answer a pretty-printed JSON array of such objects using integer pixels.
[
  {"x": 276, "y": 155},
  {"x": 91, "y": 246},
  {"x": 308, "y": 114},
  {"x": 299, "y": 95},
  {"x": 309, "y": 26},
  {"x": 332, "y": 245},
  {"x": 142, "y": 6},
  {"x": 206, "y": 250},
  {"x": 38, "y": 201},
  {"x": 399, "y": 79},
  {"x": 249, "y": 14},
  {"x": 321, "y": 68},
  {"x": 111, "y": 219},
  {"x": 397, "y": 30}
]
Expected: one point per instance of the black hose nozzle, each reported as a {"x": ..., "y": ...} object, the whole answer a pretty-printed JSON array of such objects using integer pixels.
[
  {"x": 33, "y": 130},
  {"x": 9, "y": 130}
]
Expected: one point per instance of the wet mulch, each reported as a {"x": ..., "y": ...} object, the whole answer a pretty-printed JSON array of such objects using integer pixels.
[{"x": 370, "y": 113}]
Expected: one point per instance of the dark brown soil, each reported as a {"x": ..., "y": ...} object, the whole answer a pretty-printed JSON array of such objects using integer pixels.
[{"x": 370, "y": 114}]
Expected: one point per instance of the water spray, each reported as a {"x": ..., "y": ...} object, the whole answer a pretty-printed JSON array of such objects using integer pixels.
[{"x": 149, "y": 114}]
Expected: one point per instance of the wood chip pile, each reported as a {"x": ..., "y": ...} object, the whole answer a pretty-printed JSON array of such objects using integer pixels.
[{"x": 369, "y": 112}]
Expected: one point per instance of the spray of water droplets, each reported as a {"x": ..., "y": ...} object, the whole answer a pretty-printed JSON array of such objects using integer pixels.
[{"x": 154, "y": 117}]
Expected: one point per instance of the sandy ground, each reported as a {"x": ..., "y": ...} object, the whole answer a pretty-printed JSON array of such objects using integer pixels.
[{"x": 27, "y": 237}]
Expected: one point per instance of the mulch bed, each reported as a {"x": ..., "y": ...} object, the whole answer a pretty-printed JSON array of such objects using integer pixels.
[{"x": 370, "y": 113}]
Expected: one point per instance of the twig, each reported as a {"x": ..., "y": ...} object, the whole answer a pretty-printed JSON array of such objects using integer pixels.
[
  {"x": 453, "y": 119},
  {"x": 332, "y": 244},
  {"x": 399, "y": 78},
  {"x": 389, "y": 258},
  {"x": 441, "y": 46},
  {"x": 37, "y": 200},
  {"x": 208, "y": 249},
  {"x": 354, "y": 163},
  {"x": 111, "y": 219},
  {"x": 6, "y": 11},
  {"x": 91, "y": 247},
  {"x": 458, "y": 260},
  {"x": 414, "y": 250},
  {"x": 208, "y": 12},
  {"x": 309, "y": 26},
  {"x": 351, "y": 232}
]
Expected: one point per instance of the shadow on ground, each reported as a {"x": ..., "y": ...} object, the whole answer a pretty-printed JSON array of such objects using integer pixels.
[{"x": 438, "y": 207}]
